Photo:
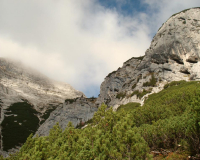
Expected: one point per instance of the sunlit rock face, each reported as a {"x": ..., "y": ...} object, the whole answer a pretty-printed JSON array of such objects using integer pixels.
[
  {"x": 173, "y": 55},
  {"x": 20, "y": 82},
  {"x": 26, "y": 91}
]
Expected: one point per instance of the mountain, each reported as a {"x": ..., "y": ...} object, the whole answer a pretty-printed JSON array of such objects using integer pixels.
[
  {"x": 173, "y": 55},
  {"x": 26, "y": 99},
  {"x": 166, "y": 127},
  {"x": 157, "y": 110}
]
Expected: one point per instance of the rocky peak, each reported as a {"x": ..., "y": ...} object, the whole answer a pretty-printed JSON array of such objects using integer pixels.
[
  {"x": 26, "y": 99},
  {"x": 23, "y": 82},
  {"x": 173, "y": 55}
]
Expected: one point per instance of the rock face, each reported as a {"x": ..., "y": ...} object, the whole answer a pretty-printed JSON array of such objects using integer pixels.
[
  {"x": 20, "y": 82},
  {"x": 77, "y": 111},
  {"x": 24, "y": 89},
  {"x": 173, "y": 55}
]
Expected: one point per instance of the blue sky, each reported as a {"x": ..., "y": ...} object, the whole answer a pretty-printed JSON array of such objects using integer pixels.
[
  {"x": 125, "y": 7},
  {"x": 81, "y": 41}
]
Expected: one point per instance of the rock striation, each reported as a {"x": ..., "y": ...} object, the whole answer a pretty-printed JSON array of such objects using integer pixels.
[
  {"x": 173, "y": 55},
  {"x": 27, "y": 90},
  {"x": 79, "y": 110},
  {"x": 20, "y": 82}
]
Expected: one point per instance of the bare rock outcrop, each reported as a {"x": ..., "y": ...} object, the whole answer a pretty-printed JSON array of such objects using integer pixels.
[
  {"x": 19, "y": 81},
  {"x": 173, "y": 55},
  {"x": 77, "y": 110}
]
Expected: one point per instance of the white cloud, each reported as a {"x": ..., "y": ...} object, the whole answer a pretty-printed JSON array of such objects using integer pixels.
[
  {"x": 76, "y": 41},
  {"x": 160, "y": 11}
]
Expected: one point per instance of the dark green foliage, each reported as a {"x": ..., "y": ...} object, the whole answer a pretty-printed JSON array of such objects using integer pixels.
[
  {"x": 133, "y": 86},
  {"x": 81, "y": 124},
  {"x": 70, "y": 100},
  {"x": 92, "y": 99},
  {"x": 0, "y": 101},
  {"x": 141, "y": 94},
  {"x": 13, "y": 133},
  {"x": 47, "y": 114},
  {"x": 128, "y": 107},
  {"x": 168, "y": 120},
  {"x": 139, "y": 77},
  {"x": 152, "y": 81},
  {"x": 174, "y": 83},
  {"x": 121, "y": 95},
  {"x": 111, "y": 138}
]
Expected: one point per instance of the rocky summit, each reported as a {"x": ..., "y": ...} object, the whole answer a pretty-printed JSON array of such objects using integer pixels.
[
  {"x": 173, "y": 55},
  {"x": 26, "y": 99}
]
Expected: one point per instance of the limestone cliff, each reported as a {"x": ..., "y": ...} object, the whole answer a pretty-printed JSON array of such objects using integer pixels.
[
  {"x": 174, "y": 54},
  {"x": 77, "y": 111}
]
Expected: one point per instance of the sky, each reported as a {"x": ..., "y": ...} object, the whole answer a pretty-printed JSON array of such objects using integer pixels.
[{"x": 81, "y": 41}]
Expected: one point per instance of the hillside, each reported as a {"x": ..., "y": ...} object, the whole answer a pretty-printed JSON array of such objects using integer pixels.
[
  {"x": 26, "y": 99},
  {"x": 166, "y": 126},
  {"x": 172, "y": 56}
]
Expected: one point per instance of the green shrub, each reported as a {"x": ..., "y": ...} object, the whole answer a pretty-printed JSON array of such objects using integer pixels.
[
  {"x": 174, "y": 83},
  {"x": 168, "y": 120},
  {"x": 13, "y": 133},
  {"x": 152, "y": 81},
  {"x": 121, "y": 95},
  {"x": 141, "y": 94},
  {"x": 133, "y": 86},
  {"x": 47, "y": 114},
  {"x": 128, "y": 107}
]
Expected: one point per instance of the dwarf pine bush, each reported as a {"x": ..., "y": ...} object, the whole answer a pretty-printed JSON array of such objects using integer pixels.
[{"x": 169, "y": 120}]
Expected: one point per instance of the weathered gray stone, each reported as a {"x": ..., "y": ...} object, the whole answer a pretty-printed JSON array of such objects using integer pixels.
[
  {"x": 19, "y": 83},
  {"x": 81, "y": 110},
  {"x": 173, "y": 55}
]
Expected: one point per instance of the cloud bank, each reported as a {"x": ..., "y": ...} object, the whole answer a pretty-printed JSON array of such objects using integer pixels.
[{"x": 79, "y": 42}]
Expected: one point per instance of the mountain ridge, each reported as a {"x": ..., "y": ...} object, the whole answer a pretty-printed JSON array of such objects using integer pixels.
[
  {"x": 23, "y": 86},
  {"x": 173, "y": 55}
]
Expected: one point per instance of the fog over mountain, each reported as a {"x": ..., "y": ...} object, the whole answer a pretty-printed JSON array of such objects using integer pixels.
[{"x": 80, "y": 42}]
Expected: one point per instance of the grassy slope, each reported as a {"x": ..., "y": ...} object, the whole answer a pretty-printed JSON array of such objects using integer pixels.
[
  {"x": 167, "y": 116},
  {"x": 168, "y": 120}
]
